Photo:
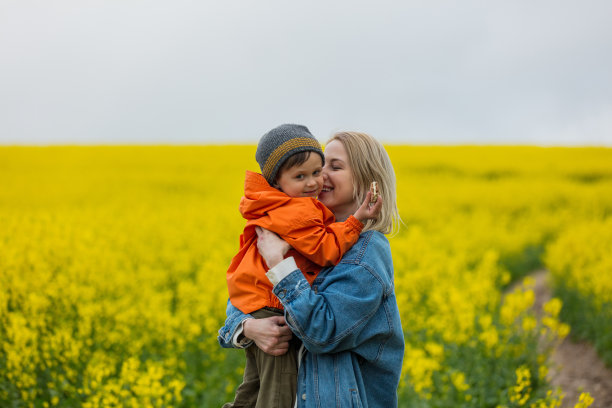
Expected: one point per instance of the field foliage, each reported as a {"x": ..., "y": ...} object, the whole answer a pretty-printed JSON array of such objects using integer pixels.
[{"x": 113, "y": 259}]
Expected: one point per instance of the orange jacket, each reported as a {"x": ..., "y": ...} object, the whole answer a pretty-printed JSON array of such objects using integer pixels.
[{"x": 306, "y": 224}]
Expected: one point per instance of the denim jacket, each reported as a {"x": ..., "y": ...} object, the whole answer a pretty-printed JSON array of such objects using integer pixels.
[{"x": 350, "y": 326}]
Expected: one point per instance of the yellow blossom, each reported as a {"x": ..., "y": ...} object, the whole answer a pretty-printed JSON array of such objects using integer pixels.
[{"x": 113, "y": 260}]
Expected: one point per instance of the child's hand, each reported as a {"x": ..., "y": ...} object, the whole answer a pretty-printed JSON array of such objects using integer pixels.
[
  {"x": 368, "y": 210},
  {"x": 271, "y": 247}
]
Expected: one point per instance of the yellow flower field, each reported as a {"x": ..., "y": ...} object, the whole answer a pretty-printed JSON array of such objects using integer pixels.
[
  {"x": 580, "y": 260},
  {"x": 113, "y": 260}
]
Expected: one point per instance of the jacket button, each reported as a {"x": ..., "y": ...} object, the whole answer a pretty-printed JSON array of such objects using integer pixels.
[
  {"x": 304, "y": 396},
  {"x": 282, "y": 293}
]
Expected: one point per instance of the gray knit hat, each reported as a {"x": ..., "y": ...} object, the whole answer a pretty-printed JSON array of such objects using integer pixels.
[{"x": 280, "y": 143}]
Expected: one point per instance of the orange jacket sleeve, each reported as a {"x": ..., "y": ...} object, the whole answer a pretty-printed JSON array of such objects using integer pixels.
[
  {"x": 310, "y": 230},
  {"x": 325, "y": 245}
]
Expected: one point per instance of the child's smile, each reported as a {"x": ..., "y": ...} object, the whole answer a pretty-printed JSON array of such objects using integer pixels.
[{"x": 303, "y": 180}]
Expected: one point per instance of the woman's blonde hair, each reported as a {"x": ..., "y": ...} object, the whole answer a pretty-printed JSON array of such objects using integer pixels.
[{"x": 370, "y": 162}]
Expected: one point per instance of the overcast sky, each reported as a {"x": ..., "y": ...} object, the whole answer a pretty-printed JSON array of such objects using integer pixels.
[{"x": 424, "y": 72}]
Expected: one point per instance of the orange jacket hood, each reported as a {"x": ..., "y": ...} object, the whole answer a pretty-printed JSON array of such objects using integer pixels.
[{"x": 260, "y": 197}]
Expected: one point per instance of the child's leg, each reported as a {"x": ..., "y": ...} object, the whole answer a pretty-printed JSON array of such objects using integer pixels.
[
  {"x": 277, "y": 374},
  {"x": 246, "y": 393}
]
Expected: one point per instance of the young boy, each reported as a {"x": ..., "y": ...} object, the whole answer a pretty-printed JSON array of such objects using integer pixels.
[{"x": 283, "y": 200}]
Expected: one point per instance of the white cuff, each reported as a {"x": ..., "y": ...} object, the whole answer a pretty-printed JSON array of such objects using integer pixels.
[
  {"x": 281, "y": 270},
  {"x": 239, "y": 340}
]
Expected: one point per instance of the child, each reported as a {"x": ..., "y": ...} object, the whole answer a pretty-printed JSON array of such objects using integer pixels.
[{"x": 283, "y": 200}]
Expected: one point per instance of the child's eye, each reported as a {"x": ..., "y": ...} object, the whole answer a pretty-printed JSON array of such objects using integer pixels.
[
  {"x": 317, "y": 172},
  {"x": 299, "y": 176}
]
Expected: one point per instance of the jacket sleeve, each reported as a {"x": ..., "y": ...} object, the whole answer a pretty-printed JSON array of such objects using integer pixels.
[
  {"x": 309, "y": 227},
  {"x": 331, "y": 320},
  {"x": 233, "y": 322},
  {"x": 323, "y": 244}
]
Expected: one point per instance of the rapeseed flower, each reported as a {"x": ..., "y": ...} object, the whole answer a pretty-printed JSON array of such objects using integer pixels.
[{"x": 113, "y": 260}]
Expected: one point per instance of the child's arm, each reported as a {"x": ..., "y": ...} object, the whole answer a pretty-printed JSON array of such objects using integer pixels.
[{"x": 326, "y": 244}]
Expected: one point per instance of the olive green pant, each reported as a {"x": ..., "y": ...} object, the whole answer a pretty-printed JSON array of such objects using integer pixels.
[{"x": 269, "y": 381}]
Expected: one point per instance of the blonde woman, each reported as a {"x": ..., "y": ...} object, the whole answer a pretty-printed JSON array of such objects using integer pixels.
[{"x": 348, "y": 320}]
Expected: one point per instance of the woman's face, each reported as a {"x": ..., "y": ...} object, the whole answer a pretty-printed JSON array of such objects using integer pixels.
[{"x": 337, "y": 193}]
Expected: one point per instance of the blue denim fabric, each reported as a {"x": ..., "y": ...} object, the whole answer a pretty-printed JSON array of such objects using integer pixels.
[
  {"x": 350, "y": 326},
  {"x": 233, "y": 320}
]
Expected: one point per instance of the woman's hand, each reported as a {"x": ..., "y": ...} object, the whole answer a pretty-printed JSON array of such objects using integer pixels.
[
  {"x": 368, "y": 210},
  {"x": 271, "y": 334},
  {"x": 271, "y": 247}
]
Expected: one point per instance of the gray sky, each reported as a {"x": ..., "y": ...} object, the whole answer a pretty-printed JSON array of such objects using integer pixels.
[{"x": 426, "y": 72}]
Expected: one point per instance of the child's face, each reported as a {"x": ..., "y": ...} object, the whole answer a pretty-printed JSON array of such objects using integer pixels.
[{"x": 303, "y": 180}]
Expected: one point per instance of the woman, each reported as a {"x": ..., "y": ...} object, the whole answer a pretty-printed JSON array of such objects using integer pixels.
[{"x": 348, "y": 320}]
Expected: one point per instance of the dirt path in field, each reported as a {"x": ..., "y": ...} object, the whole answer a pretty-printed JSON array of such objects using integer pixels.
[{"x": 575, "y": 367}]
